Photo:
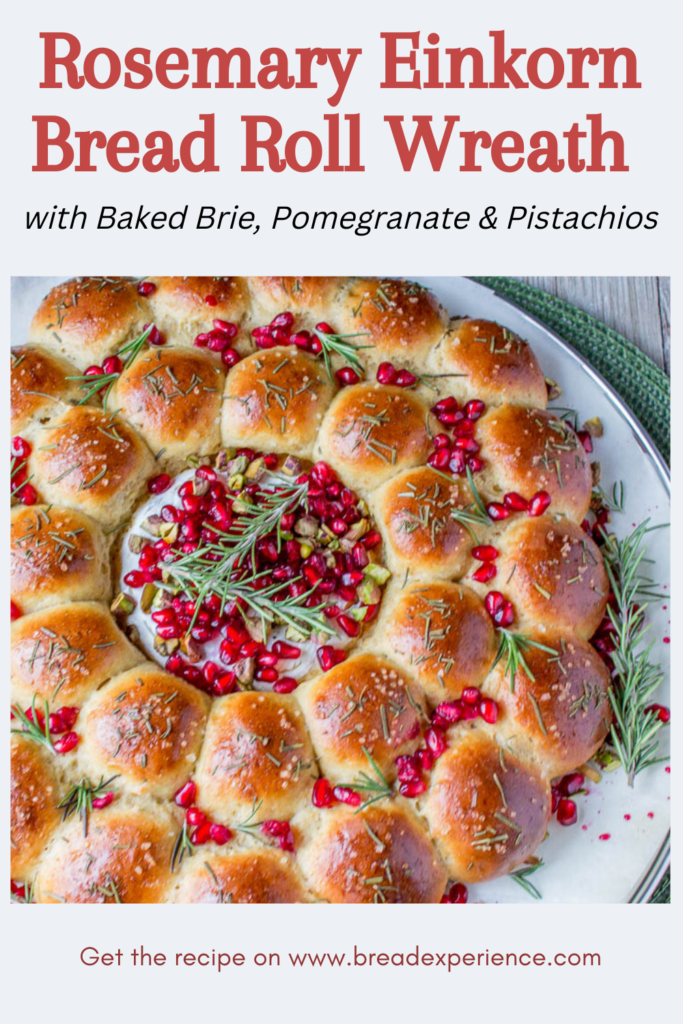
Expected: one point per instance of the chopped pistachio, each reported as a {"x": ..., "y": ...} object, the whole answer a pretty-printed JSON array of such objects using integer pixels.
[
  {"x": 123, "y": 604},
  {"x": 149, "y": 592}
]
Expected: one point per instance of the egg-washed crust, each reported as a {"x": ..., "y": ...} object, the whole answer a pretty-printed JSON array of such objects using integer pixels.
[{"x": 264, "y": 764}]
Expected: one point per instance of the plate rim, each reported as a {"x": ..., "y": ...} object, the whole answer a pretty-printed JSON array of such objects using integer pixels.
[{"x": 651, "y": 878}]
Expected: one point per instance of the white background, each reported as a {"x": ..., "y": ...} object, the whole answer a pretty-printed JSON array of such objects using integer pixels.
[{"x": 637, "y": 944}]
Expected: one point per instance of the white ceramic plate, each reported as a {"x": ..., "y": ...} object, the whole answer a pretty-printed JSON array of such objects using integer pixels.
[{"x": 579, "y": 866}]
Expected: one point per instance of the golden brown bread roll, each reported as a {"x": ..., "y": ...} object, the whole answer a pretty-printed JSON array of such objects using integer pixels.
[
  {"x": 186, "y": 306},
  {"x": 310, "y": 297},
  {"x": 441, "y": 634},
  {"x": 490, "y": 362},
  {"x": 414, "y": 512},
  {"x": 93, "y": 461},
  {"x": 247, "y": 876},
  {"x": 529, "y": 450},
  {"x": 63, "y": 653},
  {"x": 381, "y": 854},
  {"x": 173, "y": 398},
  {"x": 89, "y": 318},
  {"x": 147, "y": 726},
  {"x": 401, "y": 320},
  {"x": 124, "y": 858},
  {"x": 561, "y": 716},
  {"x": 39, "y": 385},
  {"x": 257, "y": 756},
  {"x": 34, "y": 798},
  {"x": 57, "y": 555},
  {"x": 486, "y": 809},
  {"x": 554, "y": 574},
  {"x": 372, "y": 432},
  {"x": 364, "y": 704},
  {"x": 275, "y": 401}
]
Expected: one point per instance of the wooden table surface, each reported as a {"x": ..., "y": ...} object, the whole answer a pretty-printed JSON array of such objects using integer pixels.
[{"x": 637, "y": 307}]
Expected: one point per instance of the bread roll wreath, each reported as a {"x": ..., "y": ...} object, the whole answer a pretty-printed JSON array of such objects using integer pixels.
[{"x": 303, "y": 575}]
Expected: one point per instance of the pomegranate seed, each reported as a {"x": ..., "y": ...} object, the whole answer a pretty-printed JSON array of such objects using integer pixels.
[
  {"x": 210, "y": 300},
  {"x": 104, "y": 800},
  {"x": 505, "y": 616},
  {"x": 324, "y": 328},
  {"x": 146, "y": 288},
  {"x": 226, "y": 327},
  {"x": 485, "y": 572},
  {"x": 201, "y": 834},
  {"x": 457, "y": 462},
  {"x": 339, "y": 527},
  {"x": 494, "y": 602},
  {"x": 285, "y": 321},
  {"x": 134, "y": 579},
  {"x": 159, "y": 484},
  {"x": 216, "y": 341},
  {"x": 37, "y": 717},
  {"x": 471, "y": 695},
  {"x": 285, "y": 650},
  {"x": 185, "y": 796},
  {"x": 347, "y": 375},
  {"x": 442, "y": 441},
  {"x": 515, "y": 502},
  {"x": 220, "y": 834},
  {"x": 556, "y": 796},
  {"x": 322, "y": 795},
  {"x": 445, "y": 405},
  {"x": 285, "y": 685},
  {"x": 193, "y": 816},
  {"x": 155, "y": 337},
  {"x": 413, "y": 788},
  {"x": 566, "y": 812},
  {"x": 467, "y": 445},
  {"x": 371, "y": 539},
  {"x": 485, "y": 552},
  {"x": 539, "y": 503},
  {"x": 497, "y": 511},
  {"x": 475, "y": 463},
  {"x": 330, "y": 656},
  {"x": 440, "y": 458},
  {"x": 94, "y": 371},
  {"x": 488, "y": 709},
  {"x": 474, "y": 409},
  {"x": 435, "y": 741},
  {"x": 229, "y": 357},
  {"x": 386, "y": 373},
  {"x": 349, "y": 625},
  {"x": 224, "y": 684},
  {"x": 14, "y": 611},
  {"x": 571, "y": 784},
  {"x": 449, "y": 711},
  {"x": 346, "y": 796},
  {"x": 28, "y": 495},
  {"x": 662, "y": 713},
  {"x": 19, "y": 448},
  {"x": 407, "y": 767},
  {"x": 465, "y": 428},
  {"x": 405, "y": 379},
  {"x": 586, "y": 440},
  {"x": 69, "y": 741},
  {"x": 112, "y": 365},
  {"x": 425, "y": 759},
  {"x": 456, "y": 894}
]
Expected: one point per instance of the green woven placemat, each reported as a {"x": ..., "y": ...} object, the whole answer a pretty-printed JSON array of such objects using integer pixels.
[{"x": 642, "y": 385}]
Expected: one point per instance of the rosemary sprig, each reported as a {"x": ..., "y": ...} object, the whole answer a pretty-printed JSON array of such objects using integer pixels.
[
  {"x": 469, "y": 518},
  {"x": 182, "y": 847},
  {"x": 512, "y": 648},
  {"x": 344, "y": 347},
  {"x": 92, "y": 385},
  {"x": 16, "y": 467},
  {"x": 478, "y": 501},
  {"x": 615, "y": 503},
  {"x": 521, "y": 876},
  {"x": 80, "y": 797},
  {"x": 249, "y": 826},
  {"x": 378, "y": 787},
  {"x": 636, "y": 677},
  {"x": 32, "y": 729}
]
